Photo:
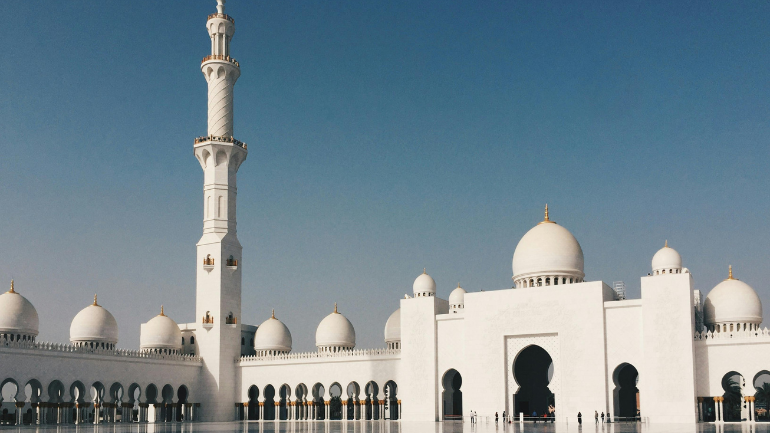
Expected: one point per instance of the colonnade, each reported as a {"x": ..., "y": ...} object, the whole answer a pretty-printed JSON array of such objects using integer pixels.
[
  {"x": 98, "y": 413},
  {"x": 719, "y": 408},
  {"x": 298, "y": 410}
]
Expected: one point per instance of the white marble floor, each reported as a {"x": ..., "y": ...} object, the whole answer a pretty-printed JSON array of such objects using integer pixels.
[{"x": 393, "y": 427}]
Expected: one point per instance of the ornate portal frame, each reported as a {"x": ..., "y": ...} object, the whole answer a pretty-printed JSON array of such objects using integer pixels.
[{"x": 514, "y": 344}]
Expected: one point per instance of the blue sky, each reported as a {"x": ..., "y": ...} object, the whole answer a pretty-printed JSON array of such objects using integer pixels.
[{"x": 384, "y": 137}]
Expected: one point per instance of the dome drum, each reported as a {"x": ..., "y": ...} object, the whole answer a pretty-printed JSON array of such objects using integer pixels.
[{"x": 554, "y": 279}]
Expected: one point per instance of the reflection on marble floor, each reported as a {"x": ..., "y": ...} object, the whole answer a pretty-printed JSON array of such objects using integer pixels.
[{"x": 393, "y": 427}]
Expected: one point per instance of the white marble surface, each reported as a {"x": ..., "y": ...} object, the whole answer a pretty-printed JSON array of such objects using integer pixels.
[{"x": 396, "y": 427}]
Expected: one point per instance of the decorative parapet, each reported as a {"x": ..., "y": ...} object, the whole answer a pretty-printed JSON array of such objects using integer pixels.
[
  {"x": 360, "y": 353},
  {"x": 69, "y": 348},
  {"x": 757, "y": 334}
]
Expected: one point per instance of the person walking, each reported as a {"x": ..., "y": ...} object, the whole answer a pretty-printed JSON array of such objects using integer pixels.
[
  {"x": 602, "y": 417},
  {"x": 472, "y": 421},
  {"x": 580, "y": 418},
  {"x": 495, "y": 418},
  {"x": 504, "y": 418},
  {"x": 534, "y": 416},
  {"x": 596, "y": 417}
]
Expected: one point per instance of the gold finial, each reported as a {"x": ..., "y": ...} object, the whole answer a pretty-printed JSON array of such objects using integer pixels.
[
  {"x": 546, "y": 219},
  {"x": 335, "y": 308},
  {"x": 424, "y": 271},
  {"x": 272, "y": 316},
  {"x": 458, "y": 285},
  {"x": 666, "y": 245},
  {"x": 95, "y": 301},
  {"x": 12, "y": 291},
  {"x": 161, "y": 311},
  {"x": 730, "y": 273}
]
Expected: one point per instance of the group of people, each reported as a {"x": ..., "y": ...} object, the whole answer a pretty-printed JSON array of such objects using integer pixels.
[{"x": 596, "y": 417}]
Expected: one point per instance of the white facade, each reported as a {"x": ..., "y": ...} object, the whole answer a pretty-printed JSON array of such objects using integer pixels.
[{"x": 555, "y": 344}]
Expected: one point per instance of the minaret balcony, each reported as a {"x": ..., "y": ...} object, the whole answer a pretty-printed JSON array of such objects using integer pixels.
[
  {"x": 222, "y": 16},
  {"x": 218, "y": 139},
  {"x": 211, "y": 57},
  {"x": 231, "y": 264},
  {"x": 208, "y": 264},
  {"x": 208, "y": 321}
]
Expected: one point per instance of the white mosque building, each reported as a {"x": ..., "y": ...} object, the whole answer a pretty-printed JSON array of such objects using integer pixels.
[{"x": 554, "y": 341}]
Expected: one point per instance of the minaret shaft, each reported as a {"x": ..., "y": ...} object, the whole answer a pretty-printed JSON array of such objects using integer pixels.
[{"x": 218, "y": 267}]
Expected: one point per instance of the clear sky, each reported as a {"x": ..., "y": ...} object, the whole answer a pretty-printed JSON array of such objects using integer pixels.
[{"x": 384, "y": 137}]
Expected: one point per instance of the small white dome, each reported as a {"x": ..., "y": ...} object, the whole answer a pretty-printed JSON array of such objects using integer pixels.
[
  {"x": 393, "y": 327},
  {"x": 17, "y": 314},
  {"x": 335, "y": 330},
  {"x": 424, "y": 285},
  {"x": 666, "y": 259},
  {"x": 94, "y": 324},
  {"x": 161, "y": 332},
  {"x": 548, "y": 249},
  {"x": 457, "y": 297},
  {"x": 272, "y": 335},
  {"x": 732, "y": 301}
]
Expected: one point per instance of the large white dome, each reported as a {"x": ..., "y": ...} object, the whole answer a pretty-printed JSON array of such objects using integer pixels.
[
  {"x": 335, "y": 331},
  {"x": 393, "y": 327},
  {"x": 424, "y": 285},
  {"x": 548, "y": 250},
  {"x": 666, "y": 260},
  {"x": 272, "y": 335},
  {"x": 161, "y": 332},
  {"x": 94, "y": 324},
  {"x": 17, "y": 315},
  {"x": 457, "y": 298},
  {"x": 732, "y": 301}
]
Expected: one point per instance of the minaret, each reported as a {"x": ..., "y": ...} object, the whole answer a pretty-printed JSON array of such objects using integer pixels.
[{"x": 218, "y": 297}]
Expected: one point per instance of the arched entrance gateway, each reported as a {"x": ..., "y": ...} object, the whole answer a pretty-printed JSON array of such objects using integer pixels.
[
  {"x": 452, "y": 396},
  {"x": 626, "y": 392},
  {"x": 734, "y": 408},
  {"x": 533, "y": 370}
]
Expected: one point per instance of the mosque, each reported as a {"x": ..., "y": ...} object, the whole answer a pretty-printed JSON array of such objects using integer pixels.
[{"x": 552, "y": 344}]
